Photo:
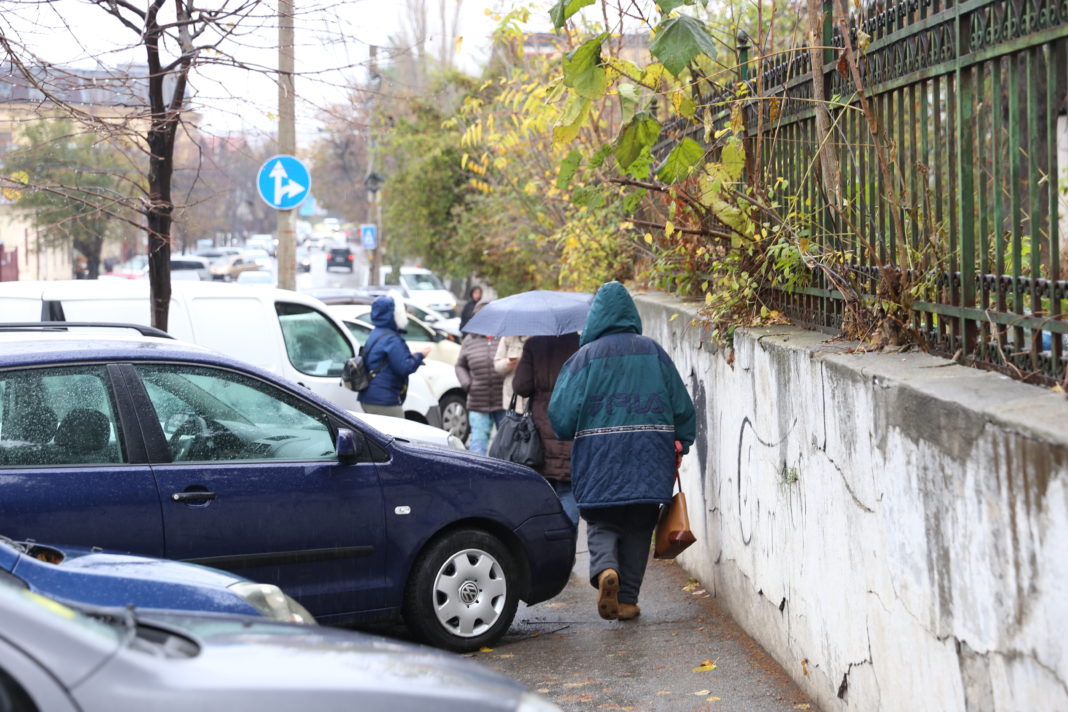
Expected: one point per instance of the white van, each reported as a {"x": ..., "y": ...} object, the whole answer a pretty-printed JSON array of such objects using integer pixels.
[
  {"x": 287, "y": 333},
  {"x": 423, "y": 287}
]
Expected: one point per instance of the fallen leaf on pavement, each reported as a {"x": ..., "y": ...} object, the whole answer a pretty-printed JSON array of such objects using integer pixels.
[
  {"x": 578, "y": 684},
  {"x": 484, "y": 649},
  {"x": 803, "y": 706},
  {"x": 664, "y": 692},
  {"x": 702, "y": 693},
  {"x": 711, "y": 699},
  {"x": 506, "y": 655},
  {"x": 705, "y": 666},
  {"x": 544, "y": 690}
]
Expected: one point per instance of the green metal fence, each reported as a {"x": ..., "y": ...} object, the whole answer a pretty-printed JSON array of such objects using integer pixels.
[{"x": 970, "y": 99}]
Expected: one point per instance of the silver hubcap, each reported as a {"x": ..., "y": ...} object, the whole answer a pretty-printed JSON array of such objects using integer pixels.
[
  {"x": 454, "y": 420},
  {"x": 469, "y": 593}
]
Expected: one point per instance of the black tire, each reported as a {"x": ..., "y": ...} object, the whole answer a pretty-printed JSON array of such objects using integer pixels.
[
  {"x": 454, "y": 417},
  {"x": 463, "y": 591}
]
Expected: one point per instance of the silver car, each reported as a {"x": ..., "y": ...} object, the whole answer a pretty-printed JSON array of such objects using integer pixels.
[{"x": 56, "y": 658}]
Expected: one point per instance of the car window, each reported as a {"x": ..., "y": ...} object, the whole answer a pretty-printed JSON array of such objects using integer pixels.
[
  {"x": 359, "y": 331},
  {"x": 314, "y": 344},
  {"x": 58, "y": 416},
  {"x": 421, "y": 282},
  {"x": 417, "y": 332},
  {"x": 214, "y": 415}
]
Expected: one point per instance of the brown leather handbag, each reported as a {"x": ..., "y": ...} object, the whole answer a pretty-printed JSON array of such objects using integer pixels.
[{"x": 673, "y": 535}]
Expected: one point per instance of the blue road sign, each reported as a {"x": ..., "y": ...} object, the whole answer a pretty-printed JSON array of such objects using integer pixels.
[
  {"x": 283, "y": 182},
  {"x": 369, "y": 236}
]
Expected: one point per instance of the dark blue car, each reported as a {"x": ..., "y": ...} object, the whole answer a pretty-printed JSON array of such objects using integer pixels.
[
  {"x": 104, "y": 579},
  {"x": 162, "y": 448}
]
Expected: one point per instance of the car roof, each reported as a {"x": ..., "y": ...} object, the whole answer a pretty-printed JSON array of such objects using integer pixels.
[{"x": 78, "y": 345}]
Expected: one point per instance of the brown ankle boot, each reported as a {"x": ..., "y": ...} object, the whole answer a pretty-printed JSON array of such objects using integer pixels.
[
  {"x": 607, "y": 590},
  {"x": 628, "y": 611}
]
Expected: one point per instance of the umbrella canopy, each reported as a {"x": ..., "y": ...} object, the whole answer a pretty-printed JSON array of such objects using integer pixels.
[{"x": 537, "y": 313}]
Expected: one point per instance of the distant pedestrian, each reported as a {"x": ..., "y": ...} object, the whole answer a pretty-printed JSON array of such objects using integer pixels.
[
  {"x": 509, "y": 349},
  {"x": 388, "y": 356},
  {"x": 474, "y": 296},
  {"x": 535, "y": 377},
  {"x": 474, "y": 369},
  {"x": 622, "y": 400}
]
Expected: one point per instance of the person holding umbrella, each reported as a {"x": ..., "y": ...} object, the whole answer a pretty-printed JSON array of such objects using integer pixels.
[
  {"x": 535, "y": 377},
  {"x": 623, "y": 402}
]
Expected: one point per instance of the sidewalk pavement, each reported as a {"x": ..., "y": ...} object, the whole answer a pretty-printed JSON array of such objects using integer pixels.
[{"x": 683, "y": 653}]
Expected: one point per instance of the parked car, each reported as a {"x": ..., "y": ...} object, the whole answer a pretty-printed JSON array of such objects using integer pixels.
[
  {"x": 449, "y": 327},
  {"x": 418, "y": 334},
  {"x": 303, "y": 260},
  {"x": 58, "y": 658},
  {"x": 342, "y": 257},
  {"x": 283, "y": 331},
  {"x": 227, "y": 267},
  {"x": 423, "y": 287},
  {"x": 259, "y": 256},
  {"x": 99, "y": 578},
  {"x": 200, "y": 266},
  {"x": 163, "y": 448}
]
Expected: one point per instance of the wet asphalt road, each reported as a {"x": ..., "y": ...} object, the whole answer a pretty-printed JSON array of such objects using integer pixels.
[{"x": 562, "y": 649}]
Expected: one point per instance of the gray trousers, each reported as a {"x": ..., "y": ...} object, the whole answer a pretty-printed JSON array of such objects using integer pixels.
[
  {"x": 396, "y": 411},
  {"x": 619, "y": 538}
]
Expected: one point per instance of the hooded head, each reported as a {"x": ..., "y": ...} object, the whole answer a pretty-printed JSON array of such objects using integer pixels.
[
  {"x": 389, "y": 314},
  {"x": 474, "y": 294},
  {"x": 612, "y": 312}
]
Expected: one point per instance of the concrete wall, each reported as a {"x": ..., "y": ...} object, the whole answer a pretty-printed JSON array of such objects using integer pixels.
[{"x": 892, "y": 528}]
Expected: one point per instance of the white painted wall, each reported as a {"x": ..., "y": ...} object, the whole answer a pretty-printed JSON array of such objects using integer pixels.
[{"x": 893, "y": 529}]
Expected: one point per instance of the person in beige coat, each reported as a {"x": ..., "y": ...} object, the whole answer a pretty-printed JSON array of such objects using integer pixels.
[{"x": 509, "y": 350}]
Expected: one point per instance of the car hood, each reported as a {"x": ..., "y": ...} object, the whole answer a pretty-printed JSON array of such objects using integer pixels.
[
  {"x": 405, "y": 429},
  {"x": 318, "y": 667}
]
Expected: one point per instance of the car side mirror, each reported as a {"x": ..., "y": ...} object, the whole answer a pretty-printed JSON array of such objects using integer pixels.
[
  {"x": 439, "y": 336},
  {"x": 350, "y": 445}
]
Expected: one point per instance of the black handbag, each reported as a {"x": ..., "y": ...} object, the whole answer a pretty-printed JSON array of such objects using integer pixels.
[
  {"x": 355, "y": 375},
  {"x": 517, "y": 438}
]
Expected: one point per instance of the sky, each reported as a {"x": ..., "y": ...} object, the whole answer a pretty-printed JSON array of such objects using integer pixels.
[{"x": 331, "y": 50}]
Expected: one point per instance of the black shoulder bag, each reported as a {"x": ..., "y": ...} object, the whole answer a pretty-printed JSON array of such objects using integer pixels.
[{"x": 517, "y": 438}]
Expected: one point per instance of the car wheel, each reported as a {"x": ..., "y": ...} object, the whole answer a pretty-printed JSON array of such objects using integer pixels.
[
  {"x": 463, "y": 591},
  {"x": 454, "y": 416}
]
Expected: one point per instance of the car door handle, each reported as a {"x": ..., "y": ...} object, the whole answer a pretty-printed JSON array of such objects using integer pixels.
[{"x": 193, "y": 497}]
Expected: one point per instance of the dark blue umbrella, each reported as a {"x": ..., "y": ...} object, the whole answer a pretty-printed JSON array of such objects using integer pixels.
[{"x": 537, "y": 313}]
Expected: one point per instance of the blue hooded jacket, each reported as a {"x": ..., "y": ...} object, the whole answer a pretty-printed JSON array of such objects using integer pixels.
[
  {"x": 389, "y": 356},
  {"x": 623, "y": 402}
]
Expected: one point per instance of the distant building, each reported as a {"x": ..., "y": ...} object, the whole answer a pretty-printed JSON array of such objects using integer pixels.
[{"x": 119, "y": 93}]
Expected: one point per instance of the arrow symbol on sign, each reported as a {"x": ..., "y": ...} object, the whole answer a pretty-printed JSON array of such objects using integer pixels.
[{"x": 289, "y": 189}]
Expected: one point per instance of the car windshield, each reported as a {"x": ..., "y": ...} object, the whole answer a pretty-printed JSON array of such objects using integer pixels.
[{"x": 422, "y": 281}]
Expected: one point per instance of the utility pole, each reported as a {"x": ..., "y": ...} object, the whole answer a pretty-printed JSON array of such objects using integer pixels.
[
  {"x": 287, "y": 143},
  {"x": 370, "y": 182}
]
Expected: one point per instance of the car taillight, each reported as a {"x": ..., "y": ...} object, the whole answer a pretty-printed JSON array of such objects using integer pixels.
[{"x": 351, "y": 257}]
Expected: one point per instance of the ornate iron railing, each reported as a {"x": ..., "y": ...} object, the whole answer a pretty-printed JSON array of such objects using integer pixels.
[{"x": 970, "y": 102}]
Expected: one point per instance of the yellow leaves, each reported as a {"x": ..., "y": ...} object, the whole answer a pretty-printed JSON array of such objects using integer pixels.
[
  {"x": 708, "y": 300},
  {"x": 706, "y": 666},
  {"x": 463, "y": 161},
  {"x": 648, "y": 238},
  {"x": 458, "y": 43},
  {"x": 803, "y": 706},
  {"x": 673, "y": 317},
  {"x": 11, "y": 192},
  {"x": 669, "y": 228},
  {"x": 654, "y": 74},
  {"x": 623, "y": 68},
  {"x": 485, "y": 649},
  {"x": 803, "y": 244},
  {"x": 684, "y": 105}
]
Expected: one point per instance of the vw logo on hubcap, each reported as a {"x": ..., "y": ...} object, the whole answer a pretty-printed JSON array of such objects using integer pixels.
[{"x": 468, "y": 592}]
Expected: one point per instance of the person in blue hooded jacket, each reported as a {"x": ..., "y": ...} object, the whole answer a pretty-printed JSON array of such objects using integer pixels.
[
  {"x": 388, "y": 357},
  {"x": 623, "y": 402}
]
